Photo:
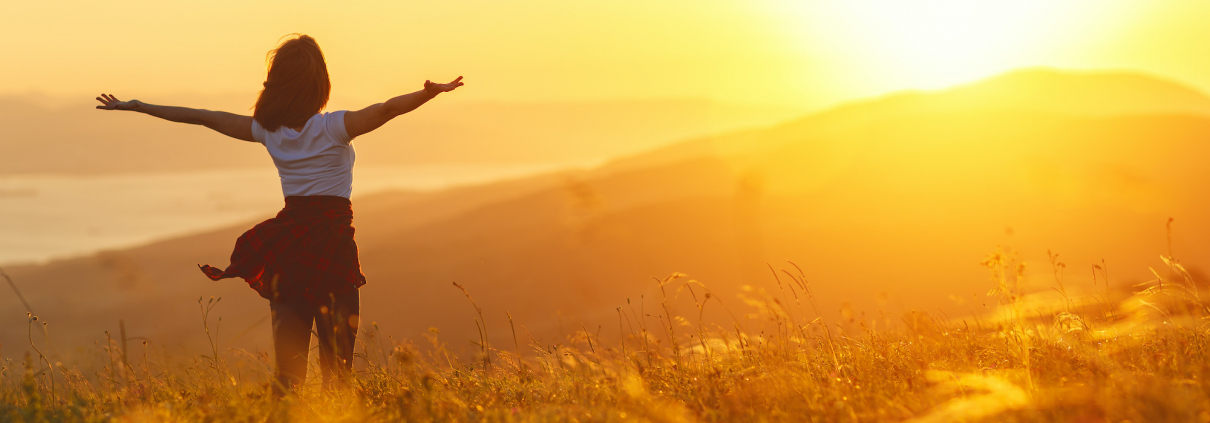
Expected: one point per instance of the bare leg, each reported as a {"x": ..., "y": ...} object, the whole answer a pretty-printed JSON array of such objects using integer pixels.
[
  {"x": 336, "y": 327},
  {"x": 291, "y": 337}
]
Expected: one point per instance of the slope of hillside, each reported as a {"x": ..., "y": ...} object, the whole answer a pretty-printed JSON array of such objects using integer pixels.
[
  {"x": 1066, "y": 93},
  {"x": 1023, "y": 92},
  {"x": 887, "y": 208}
]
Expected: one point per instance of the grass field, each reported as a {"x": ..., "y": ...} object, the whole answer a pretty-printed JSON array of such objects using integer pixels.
[{"x": 1085, "y": 358}]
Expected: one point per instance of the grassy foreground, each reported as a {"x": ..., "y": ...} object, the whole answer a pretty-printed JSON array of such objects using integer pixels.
[{"x": 1080, "y": 359}]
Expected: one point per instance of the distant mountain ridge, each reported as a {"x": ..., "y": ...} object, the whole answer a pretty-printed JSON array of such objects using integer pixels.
[
  {"x": 1045, "y": 91},
  {"x": 75, "y": 138}
]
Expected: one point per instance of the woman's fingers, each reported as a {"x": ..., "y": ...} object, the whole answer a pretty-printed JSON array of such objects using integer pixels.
[
  {"x": 443, "y": 88},
  {"x": 108, "y": 102},
  {"x": 457, "y": 82}
]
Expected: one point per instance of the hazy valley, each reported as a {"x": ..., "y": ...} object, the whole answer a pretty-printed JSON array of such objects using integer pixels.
[{"x": 1088, "y": 166}]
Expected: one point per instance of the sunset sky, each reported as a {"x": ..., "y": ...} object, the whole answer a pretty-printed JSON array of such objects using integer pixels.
[{"x": 801, "y": 53}]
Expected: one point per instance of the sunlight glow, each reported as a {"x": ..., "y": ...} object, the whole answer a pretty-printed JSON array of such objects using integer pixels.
[
  {"x": 939, "y": 43},
  {"x": 946, "y": 41}
]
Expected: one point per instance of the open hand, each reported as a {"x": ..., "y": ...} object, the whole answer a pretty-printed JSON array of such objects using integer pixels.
[
  {"x": 435, "y": 88},
  {"x": 109, "y": 102}
]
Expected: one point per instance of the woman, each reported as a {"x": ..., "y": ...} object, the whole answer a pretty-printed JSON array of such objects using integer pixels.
[{"x": 304, "y": 261}]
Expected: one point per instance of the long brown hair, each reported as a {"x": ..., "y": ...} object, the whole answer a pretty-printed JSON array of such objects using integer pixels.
[{"x": 297, "y": 86}]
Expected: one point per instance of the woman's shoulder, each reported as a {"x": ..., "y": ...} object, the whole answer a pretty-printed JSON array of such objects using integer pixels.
[
  {"x": 333, "y": 124},
  {"x": 335, "y": 114},
  {"x": 324, "y": 117},
  {"x": 329, "y": 125}
]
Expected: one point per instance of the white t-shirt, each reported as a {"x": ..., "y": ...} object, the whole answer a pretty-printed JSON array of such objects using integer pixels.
[{"x": 315, "y": 161}]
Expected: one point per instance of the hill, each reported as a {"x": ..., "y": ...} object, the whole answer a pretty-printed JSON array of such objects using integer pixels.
[{"x": 887, "y": 205}]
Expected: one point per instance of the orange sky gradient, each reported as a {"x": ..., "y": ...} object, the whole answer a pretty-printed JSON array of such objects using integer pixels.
[{"x": 808, "y": 54}]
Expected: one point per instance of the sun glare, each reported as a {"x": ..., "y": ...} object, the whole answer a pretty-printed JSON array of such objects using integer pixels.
[{"x": 939, "y": 43}]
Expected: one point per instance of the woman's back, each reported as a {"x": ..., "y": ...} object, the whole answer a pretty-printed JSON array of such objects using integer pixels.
[{"x": 318, "y": 160}]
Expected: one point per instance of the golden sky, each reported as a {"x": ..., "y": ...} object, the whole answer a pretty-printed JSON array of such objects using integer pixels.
[{"x": 805, "y": 53}]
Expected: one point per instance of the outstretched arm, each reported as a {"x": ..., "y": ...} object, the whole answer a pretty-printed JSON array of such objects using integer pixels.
[
  {"x": 370, "y": 118},
  {"x": 229, "y": 124}
]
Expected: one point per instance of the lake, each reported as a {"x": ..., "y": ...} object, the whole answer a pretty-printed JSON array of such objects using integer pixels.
[{"x": 44, "y": 217}]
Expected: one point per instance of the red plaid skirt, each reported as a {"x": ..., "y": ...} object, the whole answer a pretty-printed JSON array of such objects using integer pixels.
[{"x": 307, "y": 252}]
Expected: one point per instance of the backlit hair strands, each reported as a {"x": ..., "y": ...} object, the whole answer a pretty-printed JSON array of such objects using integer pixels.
[{"x": 297, "y": 85}]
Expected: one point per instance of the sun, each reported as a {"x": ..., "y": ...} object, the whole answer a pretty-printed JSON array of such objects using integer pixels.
[
  {"x": 942, "y": 42},
  {"x": 939, "y": 43}
]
